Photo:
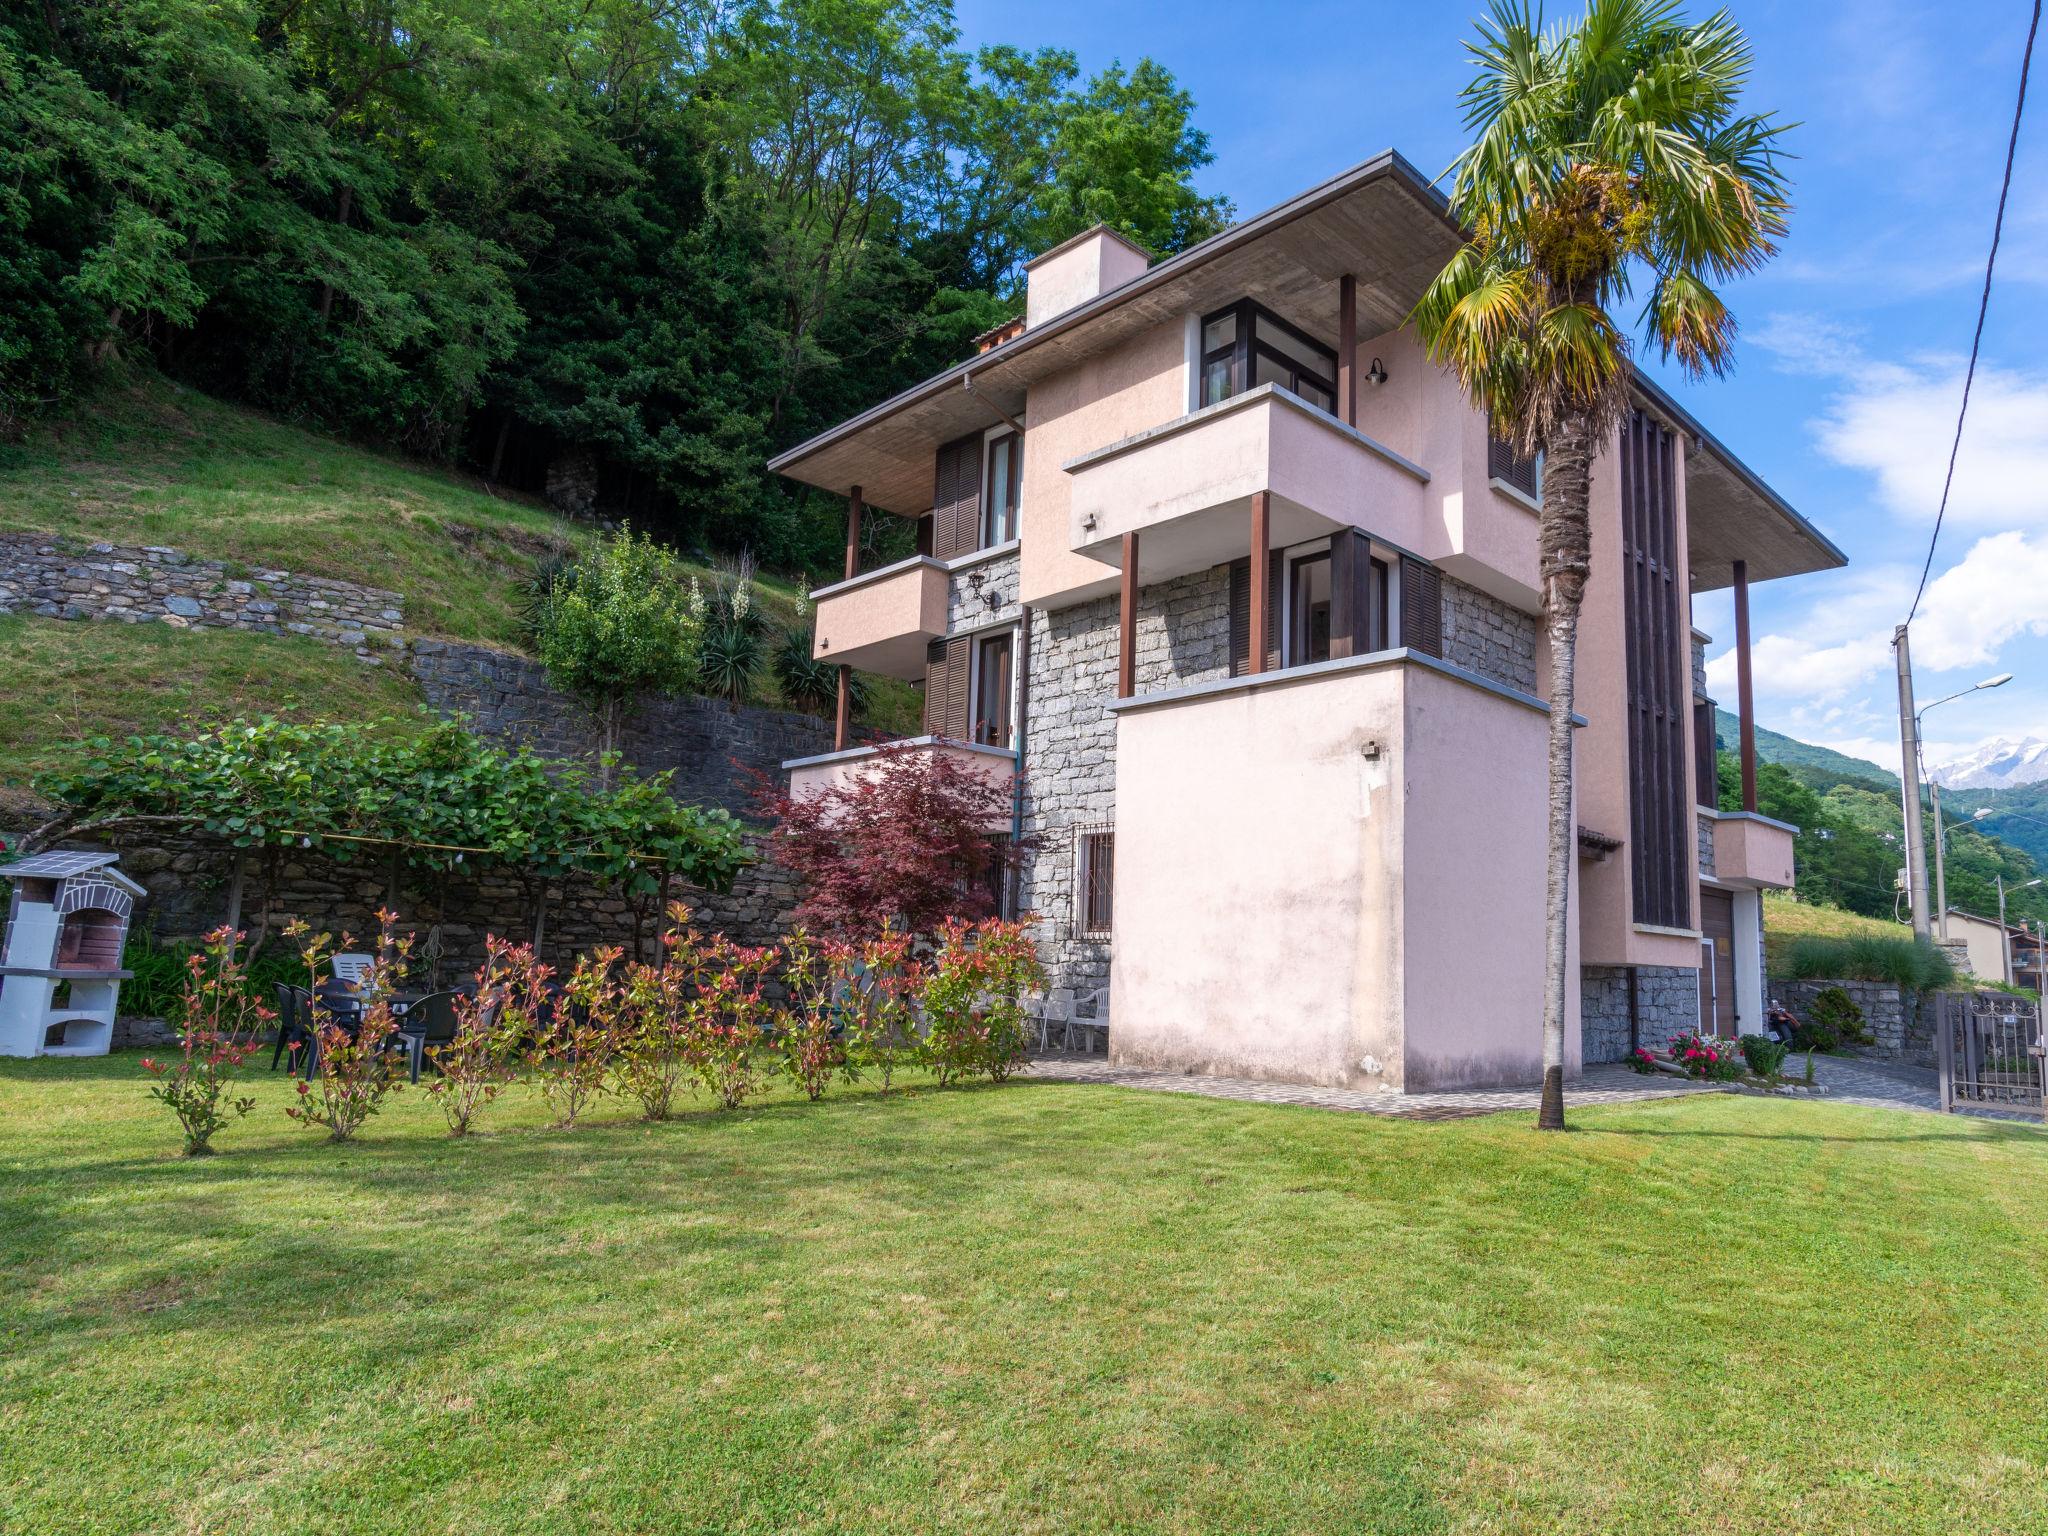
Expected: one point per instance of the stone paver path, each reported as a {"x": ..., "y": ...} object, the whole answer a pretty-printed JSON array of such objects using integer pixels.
[
  {"x": 1599, "y": 1085},
  {"x": 1876, "y": 1084}
]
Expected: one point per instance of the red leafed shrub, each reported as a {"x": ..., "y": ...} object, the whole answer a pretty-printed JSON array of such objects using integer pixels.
[
  {"x": 479, "y": 1061},
  {"x": 973, "y": 999},
  {"x": 905, "y": 844},
  {"x": 728, "y": 1023},
  {"x": 810, "y": 1029},
  {"x": 662, "y": 1004},
  {"x": 222, "y": 1023},
  {"x": 880, "y": 984},
  {"x": 575, "y": 1042},
  {"x": 355, "y": 1063}
]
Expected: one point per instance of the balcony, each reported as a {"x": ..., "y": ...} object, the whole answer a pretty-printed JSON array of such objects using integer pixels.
[
  {"x": 813, "y": 775},
  {"x": 882, "y": 621},
  {"x": 1752, "y": 851},
  {"x": 1187, "y": 486}
]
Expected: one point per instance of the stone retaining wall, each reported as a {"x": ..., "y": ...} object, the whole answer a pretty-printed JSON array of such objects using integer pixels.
[
  {"x": 1667, "y": 1001},
  {"x": 1898, "y": 1017},
  {"x": 61, "y": 579}
]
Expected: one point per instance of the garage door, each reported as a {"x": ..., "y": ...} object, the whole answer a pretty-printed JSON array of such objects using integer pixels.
[{"x": 1717, "y": 963}]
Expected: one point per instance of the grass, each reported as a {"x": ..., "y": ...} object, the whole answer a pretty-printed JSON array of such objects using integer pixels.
[
  {"x": 1786, "y": 920},
  {"x": 1040, "y": 1308},
  {"x": 165, "y": 465},
  {"x": 160, "y": 464},
  {"x": 64, "y": 681}
]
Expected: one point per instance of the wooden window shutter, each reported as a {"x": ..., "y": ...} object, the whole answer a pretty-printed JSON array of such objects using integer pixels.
[
  {"x": 956, "y": 498},
  {"x": 1422, "y": 607},
  {"x": 1350, "y": 593},
  {"x": 946, "y": 703},
  {"x": 1241, "y": 613}
]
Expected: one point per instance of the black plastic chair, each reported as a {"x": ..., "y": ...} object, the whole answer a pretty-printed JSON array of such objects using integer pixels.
[
  {"x": 428, "y": 1022},
  {"x": 294, "y": 1023}
]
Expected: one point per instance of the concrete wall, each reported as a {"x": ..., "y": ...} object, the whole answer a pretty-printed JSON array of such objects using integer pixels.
[{"x": 1319, "y": 881}]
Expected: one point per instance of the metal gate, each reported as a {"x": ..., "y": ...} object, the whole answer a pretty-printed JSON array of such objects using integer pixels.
[{"x": 1989, "y": 1045}]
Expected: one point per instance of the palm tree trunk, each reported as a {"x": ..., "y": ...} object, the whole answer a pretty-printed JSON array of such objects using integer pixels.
[{"x": 1565, "y": 540}]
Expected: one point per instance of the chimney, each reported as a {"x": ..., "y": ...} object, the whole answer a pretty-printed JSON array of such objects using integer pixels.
[{"x": 1077, "y": 270}]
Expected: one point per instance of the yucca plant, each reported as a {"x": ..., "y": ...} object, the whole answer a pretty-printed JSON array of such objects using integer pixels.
[{"x": 1608, "y": 152}]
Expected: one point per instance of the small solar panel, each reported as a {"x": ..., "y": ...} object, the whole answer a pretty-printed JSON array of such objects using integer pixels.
[{"x": 56, "y": 866}]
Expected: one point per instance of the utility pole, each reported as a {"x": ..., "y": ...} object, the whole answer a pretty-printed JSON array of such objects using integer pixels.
[
  {"x": 1909, "y": 786},
  {"x": 1940, "y": 867}
]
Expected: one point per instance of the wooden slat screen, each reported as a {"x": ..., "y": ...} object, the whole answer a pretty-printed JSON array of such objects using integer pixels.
[
  {"x": 946, "y": 704},
  {"x": 956, "y": 498},
  {"x": 1662, "y": 837},
  {"x": 1706, "y": 770},
  {"x": 1241, "y": 613},
  {"x": 1422, "y": 607},
  {"x": 1350, "y": 593}
]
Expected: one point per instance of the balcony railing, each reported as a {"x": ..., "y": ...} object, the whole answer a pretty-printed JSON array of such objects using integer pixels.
[
  {"x": 882, "y": 620},
  {"x": 1187, "y": 486}
]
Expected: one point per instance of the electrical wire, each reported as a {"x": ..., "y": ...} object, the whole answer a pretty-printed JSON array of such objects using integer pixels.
[{"x": 1983, "y": 307}]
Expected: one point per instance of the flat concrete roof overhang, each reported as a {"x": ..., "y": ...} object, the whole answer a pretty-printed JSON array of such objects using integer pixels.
[{"x": 1382, "y": 222}]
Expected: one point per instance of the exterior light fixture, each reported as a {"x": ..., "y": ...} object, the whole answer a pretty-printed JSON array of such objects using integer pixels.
[{"x": 1376, "y": 375}]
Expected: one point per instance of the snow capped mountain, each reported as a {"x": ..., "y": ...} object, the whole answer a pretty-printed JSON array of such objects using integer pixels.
[{"x": 1995, "y": 765}]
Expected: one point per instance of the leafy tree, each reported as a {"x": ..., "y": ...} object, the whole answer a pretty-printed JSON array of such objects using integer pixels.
[
  {"x": 621, "y": 623},
  {"x": 903, "y": 845},
  {"x": 1606, "y": 152}
]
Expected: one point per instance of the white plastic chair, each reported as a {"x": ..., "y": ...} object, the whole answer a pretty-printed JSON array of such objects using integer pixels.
[
  {"x": 1096, "y": 1020},
  {"x": 353, "y": 969}
]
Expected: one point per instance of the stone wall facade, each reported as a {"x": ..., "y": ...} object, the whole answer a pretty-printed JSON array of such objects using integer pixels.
[
  {"x": 60, "y": 579},
  {"x": 1183, "y": 634},
  {"x": 1483, "y": 634},
  {"x": 1667, "y": 1001},
  {"x": 710, "y": 746},
  {"x": 982, "y": 592}
]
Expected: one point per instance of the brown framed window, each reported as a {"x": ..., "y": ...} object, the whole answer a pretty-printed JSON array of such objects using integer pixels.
[
  {"x": 1247, "y": 345},
  {"x": 1510, "y": 468},
  {"x": 1094, "y": 881},
  {"x": 992, "y": 688},
  {"x": 1002, "y": 489},
  {"x": 1308, "y": 608}
]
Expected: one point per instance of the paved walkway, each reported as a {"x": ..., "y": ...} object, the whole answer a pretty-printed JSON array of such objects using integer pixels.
[
  {"x": 1877, "y": 1084},
  {"x": 1599, "y": 1085}
]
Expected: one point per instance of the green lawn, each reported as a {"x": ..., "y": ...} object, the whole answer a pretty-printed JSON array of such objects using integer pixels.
[
  {"x": 1037, "y": 1308},
  {"x": 1786, "y": 919}
]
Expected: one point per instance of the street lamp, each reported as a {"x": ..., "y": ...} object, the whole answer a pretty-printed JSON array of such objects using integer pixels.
[
  {"x": 2005, "y": 938},
  {"x": 1934, "y": 791}
]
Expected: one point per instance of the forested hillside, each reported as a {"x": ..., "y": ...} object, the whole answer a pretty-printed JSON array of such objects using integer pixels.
[
  {"x": 615, "y": 251},
  {"x": 1851, "y": 846}
]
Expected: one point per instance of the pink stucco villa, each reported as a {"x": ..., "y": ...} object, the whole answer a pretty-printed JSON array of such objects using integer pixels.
[{"x": 1242, "y": 594}]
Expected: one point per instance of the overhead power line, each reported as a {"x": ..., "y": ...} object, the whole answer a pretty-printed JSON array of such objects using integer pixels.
[{"x": 1983, "y": 306}]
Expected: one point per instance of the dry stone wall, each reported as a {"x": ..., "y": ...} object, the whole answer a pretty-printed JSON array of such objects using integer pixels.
[
  {"x": 61, "y": 579},
  {"x": 1483, "y": 634},
  {"x": 1667, "y": 1001}
]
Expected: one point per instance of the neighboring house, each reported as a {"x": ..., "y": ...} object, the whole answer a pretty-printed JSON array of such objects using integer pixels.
[
  {"x": 1319, "y": 857},
  {"x": 1990, "y": 948}
]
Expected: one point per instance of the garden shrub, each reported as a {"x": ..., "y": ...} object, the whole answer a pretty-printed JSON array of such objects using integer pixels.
[
  {"x": 353, "y": 1069},
  {"x": 1706, "y": 1058},
  {"x": 1764, "y": 1055},
  {"x": 882, "y": 982},
  {"x": 973, "y": 999},
  {"x": 810, "y": 1028},
  {"x": 1903, "y": 962},
  {"x": 575, "y": 1040},
  {"x": 655, "y": 1037},
  {"x": 474, "y": 1066},
  {"x": 730, "y": 1020},
  {"x": 1833, "y": 1012},
  {"x": 222, "y": 1025},
  {"x": 161, "y": 967}
]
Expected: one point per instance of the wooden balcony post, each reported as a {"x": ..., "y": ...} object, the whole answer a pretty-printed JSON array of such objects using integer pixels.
[
  {"x": 1347, "y": 350},
  {"x": 1127, "y": 622},
  {"x": 1261, "y": 580},
  {"x": 1744, "y": 703},
  {"x": 843, "y": 721},
  {"x": 852, "y": 535}
]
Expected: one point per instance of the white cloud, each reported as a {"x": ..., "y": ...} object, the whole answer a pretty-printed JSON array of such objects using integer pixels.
[
  {"x": 1996, "y": 593},
  {"x": 1896, "y": 420}
]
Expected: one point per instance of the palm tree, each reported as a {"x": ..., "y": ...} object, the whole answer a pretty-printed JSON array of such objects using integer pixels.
[{"x": 1606, "y": 153}]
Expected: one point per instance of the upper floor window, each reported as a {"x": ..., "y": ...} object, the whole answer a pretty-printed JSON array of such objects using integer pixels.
[
  {"x": 1247, "y": 345},
  {"x": 1510, "y": 468},
  {"x": 1002, "y": 489}
]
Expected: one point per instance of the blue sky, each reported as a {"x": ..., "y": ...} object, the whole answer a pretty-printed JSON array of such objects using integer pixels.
[{"x": 1854, "y": 340}]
